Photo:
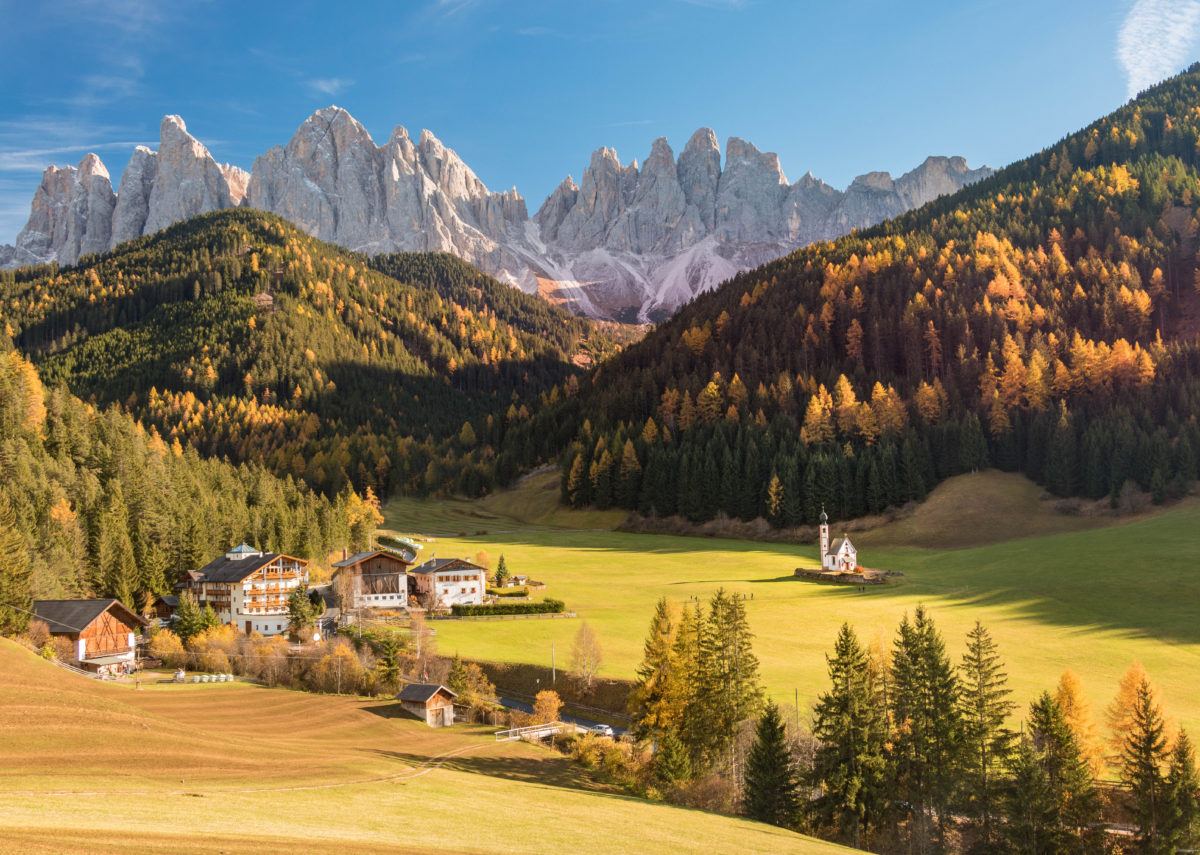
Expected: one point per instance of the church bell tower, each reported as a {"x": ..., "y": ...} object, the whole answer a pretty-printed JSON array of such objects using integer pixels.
[{"x": 824, "y": 518}]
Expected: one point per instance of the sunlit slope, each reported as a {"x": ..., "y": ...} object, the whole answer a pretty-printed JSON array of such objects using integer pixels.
[{"x": 94, "y": 768}]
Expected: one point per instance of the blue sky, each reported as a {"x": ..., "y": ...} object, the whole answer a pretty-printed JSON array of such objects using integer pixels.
[{"x": 524, "y": 91}]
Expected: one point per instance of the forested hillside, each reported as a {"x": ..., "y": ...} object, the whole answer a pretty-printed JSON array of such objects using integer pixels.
[
  {"x": 91, "y": 503},
  {"x": 1043, "y": 320},
  {"x": 237, "y": 334}
]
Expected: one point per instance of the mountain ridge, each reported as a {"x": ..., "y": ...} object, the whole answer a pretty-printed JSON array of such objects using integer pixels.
[{"x": 627, "y": 241}]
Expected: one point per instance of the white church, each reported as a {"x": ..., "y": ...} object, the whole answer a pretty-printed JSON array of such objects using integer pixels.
[{"x": 839, "y": 556}]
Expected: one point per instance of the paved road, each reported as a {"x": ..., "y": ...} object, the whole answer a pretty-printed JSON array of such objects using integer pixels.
[{"x": 525, "y": 706}]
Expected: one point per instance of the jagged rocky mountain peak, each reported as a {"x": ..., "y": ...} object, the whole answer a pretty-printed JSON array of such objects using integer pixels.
[{"x": 628, "y": 241}]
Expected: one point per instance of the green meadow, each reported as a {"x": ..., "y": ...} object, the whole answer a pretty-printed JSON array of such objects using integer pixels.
[{"x": 1094, "y": 597}]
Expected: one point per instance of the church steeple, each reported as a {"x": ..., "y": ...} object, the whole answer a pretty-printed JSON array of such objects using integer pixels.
[{"x": 824, "y": 519}]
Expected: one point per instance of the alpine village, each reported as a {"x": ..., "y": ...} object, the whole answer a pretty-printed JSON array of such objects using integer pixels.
[{"x": 348, "y": 505}]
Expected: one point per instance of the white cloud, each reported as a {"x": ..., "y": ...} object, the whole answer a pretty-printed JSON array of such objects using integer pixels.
[
  {"x": 37, "y": 159},
  {"x": 330, "y": 85},
  {"x": 1155, "y": 39}
]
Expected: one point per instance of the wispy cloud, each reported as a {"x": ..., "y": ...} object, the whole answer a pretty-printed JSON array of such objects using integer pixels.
[
  {"x": 330, "y": 85},
  {"x": 718, "y": 4},
  {"x": 538, "y": 31},
  {"x": 1154, "y": 40},
  {"x": 36, "y": 159},
  {"x": 453, "y": 7}
]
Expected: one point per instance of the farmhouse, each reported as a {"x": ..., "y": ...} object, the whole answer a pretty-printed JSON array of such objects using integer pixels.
[
  {"x": 163, "y": 608},
  {"x": 434, "y": 704},
  {"x": 249, "y": 588},
  {"x": 101, "y": 630},
  {"x": 444, "y": 582},
  {"x": 376, "y": 579}
]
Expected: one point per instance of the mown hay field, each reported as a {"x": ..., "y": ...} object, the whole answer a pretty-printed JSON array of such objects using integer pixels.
[{"x": 88, "y": 767}]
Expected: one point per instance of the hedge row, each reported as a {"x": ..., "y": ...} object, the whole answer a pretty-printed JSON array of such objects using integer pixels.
[
  {"x": 546, "y": 606},
  {"x": 508, "y": 592}
]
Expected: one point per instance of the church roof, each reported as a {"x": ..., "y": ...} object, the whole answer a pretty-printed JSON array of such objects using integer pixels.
[{"x": 836, "y": 546}]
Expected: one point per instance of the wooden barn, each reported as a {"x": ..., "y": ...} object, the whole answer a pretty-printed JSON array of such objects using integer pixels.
[
  {"x": 434, "y": 704},
  {"x": 101, "y": 630},
  {"x": 375, "y": 580},
  {"x": 163, "y": 608}
]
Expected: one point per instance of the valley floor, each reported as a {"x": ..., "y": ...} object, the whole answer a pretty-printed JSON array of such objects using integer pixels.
[{"x": 1089, "y": 593}]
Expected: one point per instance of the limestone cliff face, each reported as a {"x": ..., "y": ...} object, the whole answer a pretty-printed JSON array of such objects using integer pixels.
[
  {"x": 627, "y": 241},
  {"x": 133, "y": 196},
  {"x": 71, "y": 214},
  {"x": 188, "y": 181},
  {"x": 75, "y": 211},
  {"x": 640, "y": 242}
]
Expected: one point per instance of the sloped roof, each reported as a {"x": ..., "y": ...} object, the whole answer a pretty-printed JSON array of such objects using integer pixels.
[
  {"x": 436, "y": 564},
  {"x": 72, "y": 616},
  {"x": 225, "y": 569},
  {"x": 422, "y": 692},
  {"x": 836, "y": 546},
  {"x": 363, "y": 556}
]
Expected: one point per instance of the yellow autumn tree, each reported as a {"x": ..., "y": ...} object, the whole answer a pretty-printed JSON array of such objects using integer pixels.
[
  {"x": 845, "y": 404},
  {"x": 818, "y": 418},
  {"x": 1077, "y": 714}
]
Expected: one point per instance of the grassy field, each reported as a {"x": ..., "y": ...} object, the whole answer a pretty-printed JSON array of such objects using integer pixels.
[
  {"x": 1087, "y": 594},
  {"x": 87, "y": 767}
]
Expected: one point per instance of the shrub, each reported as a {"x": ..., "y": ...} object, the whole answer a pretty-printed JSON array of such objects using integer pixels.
[
  {"x": 339, "y": 671},
  {"x": 213, "y": 661},
  {"x": 64, "y": 649},
  {"x": 546, "y": 707},
  {"x": 165, "y": 645},
  {"x": 546, "y": 606},
  {"x": 509, "y": 592},
  {"x": 38, "y": 634},
  {"x": 711, "y": 793}
]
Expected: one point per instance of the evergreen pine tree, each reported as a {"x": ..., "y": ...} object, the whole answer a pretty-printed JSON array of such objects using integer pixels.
[
  {"x": 629, "y": 479},
  {"x": 456, "y": 679},
  {"x": 1054, "y": 797},
  {"x": 728, "y": 691},
  {"x": 928, "y": 721},
  {"x": 771, "y": 790},
  {"x": 1181, "y": 815},
  {"x": 1142, "y": 759},
  {"x": 986, "y": 741},
  {"x": 16, "y": 598},
  {"x": 1027, "y": 804},
  {"x": 671, "y": 763},
  {"x": 189, "y": 620},
  {"x": 849, "y": 764}
]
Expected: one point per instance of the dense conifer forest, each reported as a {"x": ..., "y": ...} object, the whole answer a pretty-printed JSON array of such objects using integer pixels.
[
  {"x": 237, "y": 334},
  {"x": 94, "y": 504},
  {"x": 1044, "y": 320}
]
